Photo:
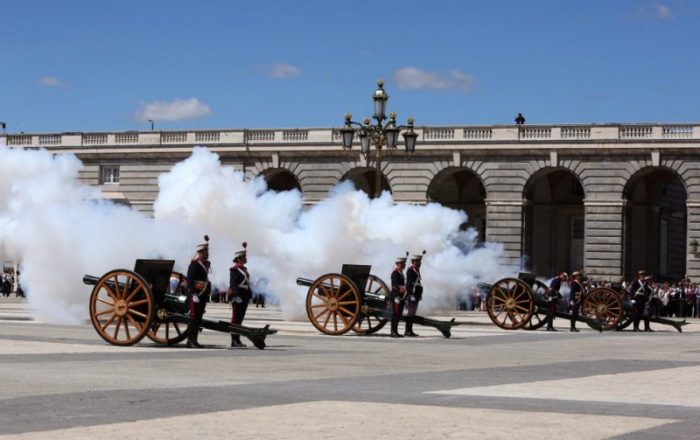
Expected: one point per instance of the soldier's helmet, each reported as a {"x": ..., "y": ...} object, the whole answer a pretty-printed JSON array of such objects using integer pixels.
[
  {"x": 204, "y": 247},
  {"x": 418, "y": 257},
  {"x": 242, "y": 253},
  {"x": 401, "y": 259}
]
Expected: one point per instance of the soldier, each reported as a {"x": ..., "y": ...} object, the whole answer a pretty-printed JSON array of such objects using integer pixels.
[
  {"x": 640, "y": 293},
  {"x": 239, "y": 293},
  {"x": 575, "y": 297},
  {"x": 553, "y": 296},
  {"x": 396, "y": 297},
  {"x": 414, "y": 292},
  {"x": 198, "y": 288}
]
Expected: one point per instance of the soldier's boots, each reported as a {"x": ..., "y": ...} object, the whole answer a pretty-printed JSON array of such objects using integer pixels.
[
  {"x": 192, "y": 341},
  {"x": 236, "y": 342},
  {"x": 574, "y": 329},
  {"x": 409, "y": 329},
  {"x": 395, "y": 329}
]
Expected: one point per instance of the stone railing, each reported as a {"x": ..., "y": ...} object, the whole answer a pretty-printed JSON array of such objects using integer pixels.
[{"x": 330, "y": 137}]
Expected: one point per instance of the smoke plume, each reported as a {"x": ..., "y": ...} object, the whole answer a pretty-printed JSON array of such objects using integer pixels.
[{"x": 59, "y": 229}]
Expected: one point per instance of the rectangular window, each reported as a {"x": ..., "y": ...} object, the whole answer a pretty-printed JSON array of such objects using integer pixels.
[{"x": 109, "y": 175}]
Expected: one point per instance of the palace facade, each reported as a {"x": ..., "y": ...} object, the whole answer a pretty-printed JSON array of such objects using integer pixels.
[{"x": 610, "y": 198}]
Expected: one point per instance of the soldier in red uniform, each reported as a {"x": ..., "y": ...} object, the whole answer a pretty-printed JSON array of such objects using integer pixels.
[
  {"x": 198, "y": 288},
  {"x": 575, "y": 297},
  {"x": 553, "y": 296},
  {"x": 414, "y": 292},
  {"x": 641, "y": 293},
  {"x": 239, "y": 293},
  {"x": 396, "y": 297}
]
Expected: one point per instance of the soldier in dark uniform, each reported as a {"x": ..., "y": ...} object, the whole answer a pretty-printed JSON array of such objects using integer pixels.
[
  {"x": 414, "y": 292},
  {"x": 396, "y": 297},
  {"x": 640, "y": 293},
  {"x": 575, "y": 297},
  {"x": 198, "y": 288},
  {"x": 239, "y": 293},
  {"x": 553, "y": 296}
]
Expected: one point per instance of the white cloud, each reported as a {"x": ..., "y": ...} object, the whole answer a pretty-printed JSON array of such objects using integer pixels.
[
  {"x": 282, "y": 70},
  {"x": 663, "y": 12},
  {"x": 175, "y": 110},
  {"x": 50, "y": 81},
  {"x": 418, "y": 79}
]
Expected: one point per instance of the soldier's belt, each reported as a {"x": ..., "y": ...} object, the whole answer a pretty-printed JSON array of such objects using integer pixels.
[{"x": 199, "y": 285}]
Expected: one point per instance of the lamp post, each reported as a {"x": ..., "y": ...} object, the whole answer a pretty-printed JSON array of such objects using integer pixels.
[{"x": 378, "y": 135}]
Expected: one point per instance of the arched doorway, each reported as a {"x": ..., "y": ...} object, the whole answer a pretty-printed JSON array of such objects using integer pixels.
[
  {"x": 655, "y": 224},
  {"x": 461, "y": 188},
  {"x": 280, "y": 179},
  {"x": 553, "y": 217},
  {"x": 364, "y": 179}
]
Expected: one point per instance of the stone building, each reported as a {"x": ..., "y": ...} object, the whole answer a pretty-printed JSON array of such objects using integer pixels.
[{"x": 610, "y": 198}]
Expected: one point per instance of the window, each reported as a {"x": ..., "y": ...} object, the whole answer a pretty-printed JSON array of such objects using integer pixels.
[{"x": 109, "y": 175}]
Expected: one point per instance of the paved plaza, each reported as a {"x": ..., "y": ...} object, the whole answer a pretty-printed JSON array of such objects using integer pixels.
[{"x": 61, "y": 382}]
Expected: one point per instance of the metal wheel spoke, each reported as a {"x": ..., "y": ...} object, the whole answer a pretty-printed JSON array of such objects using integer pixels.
[
  {"x": 177, "y": 328},
  {"x": 138, "y": 303},
  {"x": 346, "y": 311},
  {"x": 322, "y": 298},
  {"x": 116, "y": 286},
  {"x": 335, "y": 321},
  {"x": 345, "y": 320},
  {"x": 315, "y": 306},
  {"x": 347, "y": 292},
  {"x": 523, "y": 309},
  {"x": 344, "y": 303}
]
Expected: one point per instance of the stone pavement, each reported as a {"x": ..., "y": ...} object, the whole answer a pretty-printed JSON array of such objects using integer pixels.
[{"x": 61, "y": 382}]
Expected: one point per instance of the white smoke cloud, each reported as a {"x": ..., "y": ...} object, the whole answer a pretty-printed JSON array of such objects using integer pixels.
[
  {"x": 175, "y": 110},
  {"x": 59, "y": 230}
]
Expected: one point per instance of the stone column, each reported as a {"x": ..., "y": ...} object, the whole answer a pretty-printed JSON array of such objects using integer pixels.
[
  {"x": 603, "y": 247},
  {"x": 692, "y": 266},
  {"x": 504, "y": 224}
]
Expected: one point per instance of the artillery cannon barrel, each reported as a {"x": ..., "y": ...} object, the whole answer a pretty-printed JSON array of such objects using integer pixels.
[
  {"x": 305, "y": 282},
  {"x": 93, "y": 280}
]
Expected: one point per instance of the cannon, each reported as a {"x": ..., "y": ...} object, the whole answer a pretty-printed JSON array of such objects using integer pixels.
[
  {"x": 616, "y": 311},
  {"x": 514, "y": 303},
  {"x": 355, "y": 300},
  {"x": 151, "y": 301}
]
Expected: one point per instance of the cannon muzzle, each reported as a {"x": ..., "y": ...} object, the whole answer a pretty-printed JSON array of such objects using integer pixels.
[{"x": 305, "y": 282}]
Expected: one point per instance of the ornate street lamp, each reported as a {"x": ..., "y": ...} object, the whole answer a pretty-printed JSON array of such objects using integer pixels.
[{"x": 378, "y": 135}]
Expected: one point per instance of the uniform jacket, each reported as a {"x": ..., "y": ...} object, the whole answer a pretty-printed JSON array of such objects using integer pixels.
[
  {"x": 397, "y": 281},
  {"x": 198, "y": 275},
  {"x": 239, "y": 282},
  {"x": 414, "y": 286}
]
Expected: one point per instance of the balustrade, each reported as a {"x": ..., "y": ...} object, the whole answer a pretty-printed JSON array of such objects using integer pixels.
[
  {"x": 95, "y": 139},
  {"x": 50, "y": 139},
  {"x": 438, "y": 133},
  {"x": 206, "y": 136},
  {"x": 535, "y": 132},
  {"x": 677, "y": 131},
  {"x": 635, "y": 132},
  {"x": 295, "y": 135},
  {"x": 176, "y": 137},
  {"x": 261, "y": 135},
  {"x": 477, "y": 133},
  {"x": 576, "y": 132},
  {"x": 126, "y": 138}
]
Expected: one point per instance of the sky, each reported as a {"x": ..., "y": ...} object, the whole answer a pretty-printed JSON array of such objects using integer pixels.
[{"x": 86, "y": 65}]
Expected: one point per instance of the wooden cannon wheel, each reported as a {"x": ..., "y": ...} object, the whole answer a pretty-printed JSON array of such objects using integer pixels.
[
  {"x": 368, "y": 323},
  {"x": 604, "y": 305},
  {"x": 121, "y": 307},
  {"x": 333, "y": 304},
  {"x": 539, "y": 317},
  {"x": 166, "y": 330},
  {"x": 510, "y": 303}
]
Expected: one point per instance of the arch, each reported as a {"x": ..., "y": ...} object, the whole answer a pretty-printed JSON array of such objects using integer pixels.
[
  {"x": 364, "y": 179},
  {"x": 461, "y": 188},
  {"x": 280, "y": 179},
  {"x": 553, "y": 221},
  {"x": 655, "y": 223}
]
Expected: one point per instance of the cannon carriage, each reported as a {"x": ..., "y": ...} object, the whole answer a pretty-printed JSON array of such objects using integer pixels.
[
  {"x": 151, "y": 301},
  {"x": 515, "y": 303},
  {"x": 355, "y": 300},
  {"x": 620, "y": 317}
]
